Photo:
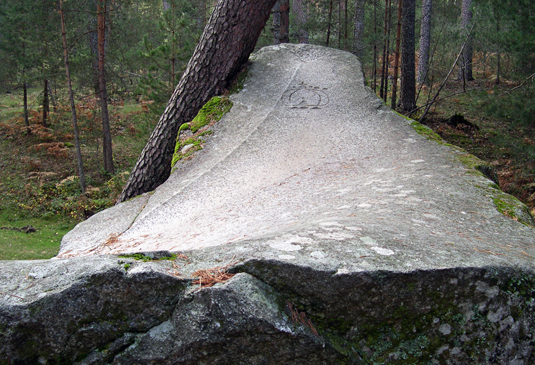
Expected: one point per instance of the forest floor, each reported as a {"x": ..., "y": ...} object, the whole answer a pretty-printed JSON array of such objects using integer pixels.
[
  {"x": 39, "y": 186},
  {"x": 507, "y": 145},
  {"x": 39, "y": 189}
]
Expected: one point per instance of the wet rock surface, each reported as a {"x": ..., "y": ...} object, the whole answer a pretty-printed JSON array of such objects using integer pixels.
[{"x": 353, "y": 239}]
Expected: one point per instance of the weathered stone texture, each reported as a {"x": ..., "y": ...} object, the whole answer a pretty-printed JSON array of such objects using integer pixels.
[{"x": 355, "y": 237}]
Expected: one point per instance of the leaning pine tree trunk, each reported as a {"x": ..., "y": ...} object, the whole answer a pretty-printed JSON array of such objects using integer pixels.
[{"x": 228, "y": 39}]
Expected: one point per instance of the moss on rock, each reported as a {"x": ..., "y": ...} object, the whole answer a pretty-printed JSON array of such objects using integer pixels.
[
  {"x": 426, "y": 132},
  {"x": 209, "y": 114}
]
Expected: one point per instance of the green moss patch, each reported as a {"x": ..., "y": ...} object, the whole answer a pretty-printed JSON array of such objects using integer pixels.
[
  {"x": 513, "y": 208},
  {"x": 426, "y": 132},
  {"x": 209, "y": 114}
]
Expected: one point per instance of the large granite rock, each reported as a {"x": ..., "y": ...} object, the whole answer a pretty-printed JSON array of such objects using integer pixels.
[{"x": 354, "y": 239}]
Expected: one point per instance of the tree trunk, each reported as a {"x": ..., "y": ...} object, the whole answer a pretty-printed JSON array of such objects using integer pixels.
[
  {"x": 227, "y": 41},
  {"x": 346, "y": 24},
  {"x": 25, "y": 103},
  {"x": 276, "y": 29},
  {"x": 408, "y": 78},
  {"x": 329, "y": 23},
  {"x": 71, "y": 98},
  {"x": 396, "y": 58},
  {"x": 52, "y": 99},
  {"x": 386, "y": 51},
  {"x": 281, "y": 22},
  {"x": 465, "y": 72},
  {"x": 46, "y": 104},
  {"x": 106, "y": 134},
  {"x": 375, "y": 46},
  {"x": 358, "y": 28},
  {"x": 340, "y": 26},
  {"x": 301, "y": 15},
  {"x": 284, "y": 35},
  {"x": 425, "y": 41}
]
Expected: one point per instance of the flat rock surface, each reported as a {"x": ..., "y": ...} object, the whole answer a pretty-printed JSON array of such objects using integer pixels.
[
  {"x": 353, "y": 240},
  {"x": 310, "y": 167}
]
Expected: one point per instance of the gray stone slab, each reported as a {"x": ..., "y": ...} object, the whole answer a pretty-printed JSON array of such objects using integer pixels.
[
  {"x": 310, "y": 166},
  {"x": 354, "y": 240},
  {"x": 103, "y": 227}
]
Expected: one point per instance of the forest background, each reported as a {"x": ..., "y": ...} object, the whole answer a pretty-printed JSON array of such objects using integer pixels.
[{"x": 465, "y": 68}]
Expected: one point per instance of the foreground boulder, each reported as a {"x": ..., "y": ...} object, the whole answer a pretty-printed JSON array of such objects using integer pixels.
[{"x": 334, "y": 230}]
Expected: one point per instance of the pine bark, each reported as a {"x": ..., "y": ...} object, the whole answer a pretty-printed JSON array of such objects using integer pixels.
[
  {"x": 358, "y": 28},
  {"x": 425, "y": 41},
  {"x": 407, "y": 97},
  {"x": 227, "y": 41},
  {"x": 465, "y": 72}
]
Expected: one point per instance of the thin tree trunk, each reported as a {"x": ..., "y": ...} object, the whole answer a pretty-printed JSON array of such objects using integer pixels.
[
  {"x": 71, "y": 98},
  {"x": 407, "y": 97},
  {"x": 46, "y": 104},
  {"x": 329, "y": 24},
  {"x": 346, "y": 24},
  {"x": 227, "y": 41},
  {"x": 358, "y": 28},
  {"x": 276, "y": 29},
  {"x": 284, "y": 35},
  {"x": 425, "y": 41},
  {"x": 340, "y": 24},
  {"x": 375, "y": 46},
  {"x": 429, "y": 104},
  {"x": 465, "y": 71},
  {"x": 25, "y": 102},
  {"x": 396, "y": 58},
  {"x": 387, "y": 65},
  {"x": 106, "y": 134},
  {"x": 384, "y": 69},
  {"x": 301, "y": 15},
  {"x": 52, "y": 99}
]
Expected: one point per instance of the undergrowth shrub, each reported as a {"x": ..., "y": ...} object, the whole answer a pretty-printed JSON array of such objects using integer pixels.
[{"x": 65, "y": 198}]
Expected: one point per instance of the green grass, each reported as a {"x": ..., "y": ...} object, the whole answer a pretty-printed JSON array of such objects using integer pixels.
[{"x": 42, "y": 244}]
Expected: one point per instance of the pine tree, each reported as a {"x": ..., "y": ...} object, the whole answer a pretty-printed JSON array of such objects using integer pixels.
[
  {"x": 425, "y": 41},
  {"x": 407, "y": 97},
  {"x": 358, "y": 27},
  {"x": 228, "y": 39},
  {"x": 465, "y": 71}
]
